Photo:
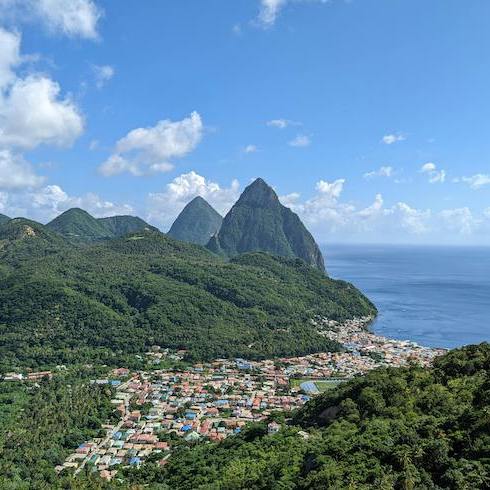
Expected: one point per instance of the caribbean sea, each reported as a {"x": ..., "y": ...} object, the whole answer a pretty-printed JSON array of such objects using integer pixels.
[{"x": 435, "y": 296}]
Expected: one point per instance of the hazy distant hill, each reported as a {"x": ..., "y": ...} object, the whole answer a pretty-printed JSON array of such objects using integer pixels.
[
  {"x": 197, "y": 222},
  {"x": 259, "y": 222},
  {"x": 60, "y": 303},
  {"x": 3, "y": 219},
  {"x": 80, "y": 227}
]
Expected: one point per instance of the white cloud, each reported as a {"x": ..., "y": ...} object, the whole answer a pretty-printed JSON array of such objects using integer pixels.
[
  {"x": 381, "y": 172},
  {"x": 300, "y": 141},
  {"x": 477, "y": 181},
  {"x": 250, "y": 149},
  {"x": 45, "y": 203},
  {"x": 435, "y": 175},
  {"x": 270, "y": 9},
  {"x": 16, "y": 173},
  {"x": 389, "y": 139},
  {"x": 280, "y": 123},
  {"x": 165, "y": 206},
  {"x": 102, "y": 73},
  {"x": 330, "y": 189},
  {"x": 32, "y": 113},
  {"x": 9, "y": 56},
  {"x": 460, "y": 220},
  {"x": 73, "y": 18},
  {"x": 150, "y": 150}
]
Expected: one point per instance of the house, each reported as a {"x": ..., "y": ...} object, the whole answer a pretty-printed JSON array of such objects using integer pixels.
[{"x": 273, "y": 428}]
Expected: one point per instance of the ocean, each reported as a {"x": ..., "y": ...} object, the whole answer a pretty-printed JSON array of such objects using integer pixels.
[{"x": 435, "y": 296}]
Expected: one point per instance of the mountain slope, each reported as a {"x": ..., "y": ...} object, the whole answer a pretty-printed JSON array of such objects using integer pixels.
[
  {"x": 119, "y": 226},
  {"x": 3, "y": 219},
  {"x": 79, "y": 226},
  {"x": 259, "y": 222},
  {"x": 105, "y": 302},
  {"x": 25, "y": 240},
  {"x": 197, "y": 222}
]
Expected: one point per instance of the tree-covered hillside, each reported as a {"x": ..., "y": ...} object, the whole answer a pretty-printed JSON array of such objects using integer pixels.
[
  {"x": 124, "y": 225},
  {"x": 79, "y": 227},
  {"x": 3, "y": 219},
  {"x": 393, "y": 429},
  {"x": 105, "y": 301}
]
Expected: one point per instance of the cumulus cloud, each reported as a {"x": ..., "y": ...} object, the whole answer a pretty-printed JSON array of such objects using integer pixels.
[
  {"x": 165, "y": 206},
  {"x": 32, "y": 113},
  {"x": 477, "y": 181},
  {"x": 45, "y": 203},
  {"x": 460, "y": 220},
  {"x": 16, "y": 173},
  {"x": 72, "y": 18},
  {"x": 9, "y": 56},
  {"x": 435, "y": 175},
  {"x": 381, "y": 172},
  {"x": 102, "y": 73},
  {"x": 389, "y": 139},
  {"x": 300, "y": 141},
  {"x": 150, "y": 150}
]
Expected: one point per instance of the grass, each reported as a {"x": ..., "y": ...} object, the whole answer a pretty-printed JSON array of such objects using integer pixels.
[{"x": 322, "y": 385}]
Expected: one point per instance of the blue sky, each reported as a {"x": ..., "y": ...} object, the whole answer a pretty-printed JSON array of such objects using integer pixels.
[{"x": 369, "y": 117}]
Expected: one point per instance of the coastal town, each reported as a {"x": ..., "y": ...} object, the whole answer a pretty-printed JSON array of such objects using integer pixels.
[{"x": 161, "y": 409}]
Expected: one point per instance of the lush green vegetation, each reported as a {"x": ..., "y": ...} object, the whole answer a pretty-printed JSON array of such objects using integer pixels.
[
  {"x": 259, "y": 222},
  {"x": 61, "y": 304},
  {"x": 197, "y": 223},
  {"x": 409, "y": 428},
  {"x": 44, "y": 424},
  {"x": 3, "y": 219},
  {"x": 79, "y": 227}
]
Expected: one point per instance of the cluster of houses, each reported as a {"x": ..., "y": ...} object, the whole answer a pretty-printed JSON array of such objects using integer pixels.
[
  {"x": 361, "y": 343},
  {"x": 163, "y": 408}
]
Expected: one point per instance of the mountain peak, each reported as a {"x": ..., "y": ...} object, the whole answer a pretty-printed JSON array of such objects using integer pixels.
[
  {"x": 79, "y": 226},
  {"x": 197, "y": 222},
  {"x": 259, "y": 193},
  {"x": 258, "y": 222}
]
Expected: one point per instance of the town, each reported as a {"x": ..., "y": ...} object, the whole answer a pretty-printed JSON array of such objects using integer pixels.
[{"x": 163, "y": 408}]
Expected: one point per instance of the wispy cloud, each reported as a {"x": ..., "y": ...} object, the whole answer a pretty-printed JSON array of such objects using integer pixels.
[
  {"x": 300, "y": 141},
  {"x": 390, "y": 139},
  {"x": 386, "y": 171},
  {"x": 435, "y": 175}
]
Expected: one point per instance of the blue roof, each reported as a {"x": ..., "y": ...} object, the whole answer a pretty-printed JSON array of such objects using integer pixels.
[
  {"x": 186, "y": 428},
  {"x": 135, "y": 461}
]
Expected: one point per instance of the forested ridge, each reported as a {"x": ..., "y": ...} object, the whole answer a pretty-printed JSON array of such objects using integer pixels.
[
  {"x": 42, "y": 424},
  {"x": 61, "y": 303}
]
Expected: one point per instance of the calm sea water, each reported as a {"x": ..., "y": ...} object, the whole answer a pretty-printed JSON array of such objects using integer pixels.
[{"x": 435, "y": 296}]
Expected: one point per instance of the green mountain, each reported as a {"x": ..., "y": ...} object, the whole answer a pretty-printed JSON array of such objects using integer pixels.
[
  {"x": 3, "y": 219},
  {"x": 393, "y": 429},
  {"x": 60, "y": 303},
  {"x": 124, "y": 225},
  {"x": 25, "y": 240},
  {"x": 79, "y": 226},
  {"x": 259, "y": 222},
  {"x": 197, "y": 222}
]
